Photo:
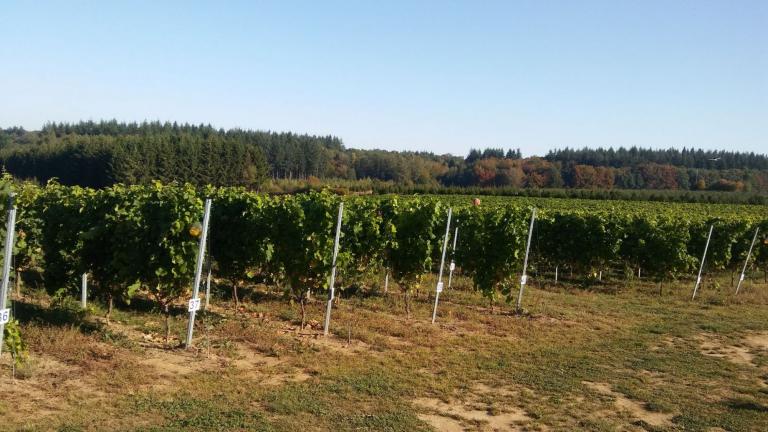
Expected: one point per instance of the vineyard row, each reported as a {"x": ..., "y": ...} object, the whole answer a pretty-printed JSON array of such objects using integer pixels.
[{"x": 132, "y": 239}]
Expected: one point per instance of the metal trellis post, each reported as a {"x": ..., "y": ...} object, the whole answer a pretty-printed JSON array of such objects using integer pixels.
[
  {"x": 746, "y": 261},
  {"x": 452, "y": 266},
  {"x": 194, "y": 303},
  {"x": 331, "y": 292},
  {"x": 10, "y": 236},
  {"x": 84, "y": 291},
  {"x": 701, "y": 267},
  {"x": 439, "y": 287},
  {"x": 524, "y": 277}
]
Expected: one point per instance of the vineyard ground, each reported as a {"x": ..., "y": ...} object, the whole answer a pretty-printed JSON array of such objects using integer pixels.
[{"x": 616, "y": 357}]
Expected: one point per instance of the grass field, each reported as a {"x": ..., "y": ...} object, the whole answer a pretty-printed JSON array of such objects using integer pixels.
[{"x": 616, "y": 357}]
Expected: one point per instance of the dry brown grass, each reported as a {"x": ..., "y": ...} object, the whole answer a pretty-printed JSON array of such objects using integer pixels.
[{"x": 253, "y": 369}]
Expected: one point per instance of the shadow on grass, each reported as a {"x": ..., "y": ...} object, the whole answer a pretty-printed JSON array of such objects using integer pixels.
[
  {"x": 247, "y": 293},
  {"x": 139, "y": 304},
  {"x": 360, "y": 291},
  {"x": 258, "y": 293},
  {"x": 145, "y": 305},
  {"x": 744, "y": 405},
  {"x": 256, "y": 296},
  {"x": 55, "y": 315}
]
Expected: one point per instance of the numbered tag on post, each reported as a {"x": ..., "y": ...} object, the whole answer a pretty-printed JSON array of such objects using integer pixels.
[
  {"x": 439, "y": 287},
  {"x": 194, "y": 305},
  {"x": 453, "y": 266},
  {"x": 5, "y": 316},
  {"x": 741, "y": 278},
  {"x": 523, "y": 279}
]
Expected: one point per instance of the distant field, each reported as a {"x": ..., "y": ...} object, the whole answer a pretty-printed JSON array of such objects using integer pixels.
[{"x": 691, "y": 211}]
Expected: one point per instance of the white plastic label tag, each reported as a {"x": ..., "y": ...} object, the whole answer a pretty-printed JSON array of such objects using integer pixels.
[
  {"x": 523, "y": 279},
  {"x": 741, "y": 279},
  {"x": 453, "y": 266},
  {"x": 194, "y": 305},
  {"x": 5, "y": 316},
  {"x": 698, "y": 280},
  {"x": 439, "y": 287}
]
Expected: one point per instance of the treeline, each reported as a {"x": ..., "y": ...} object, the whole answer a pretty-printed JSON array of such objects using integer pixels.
[
  {"x": 98, "y": 154},
  {"x": 540, "y": 173},
  {"x": 99, "y": 161},
  {"x": 688, "y": 158}
]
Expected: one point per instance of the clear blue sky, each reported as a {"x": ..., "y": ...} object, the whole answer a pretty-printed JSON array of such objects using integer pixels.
[{"x": 442, "y": 76}]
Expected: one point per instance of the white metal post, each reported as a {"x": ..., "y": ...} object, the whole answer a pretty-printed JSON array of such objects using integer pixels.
[
  {"x": 555, "y": 274},
  {"x": 10, "y": 236},
  {"x": 701, "y": 267},
  {"x": 331, "y": 292},
  {"x": 452, "y": 266},
  {"x": 524, "y": 277},
  {"x": 194, "y": 303},
  {"x": 84, "y": 291},
  {"x": 208, "y": 288},
  {"x": 439, "y": 287},
  {"x": 208, "y": 277},
  {"x": 746, "y": 261}
]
